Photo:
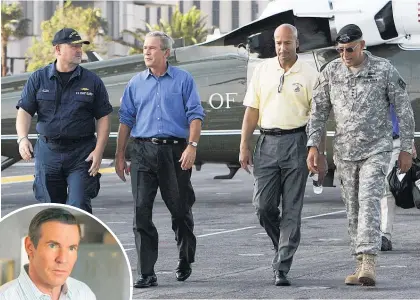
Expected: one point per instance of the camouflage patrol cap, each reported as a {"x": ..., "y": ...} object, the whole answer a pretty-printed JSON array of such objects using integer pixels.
[{"x": 348, "y": 34}]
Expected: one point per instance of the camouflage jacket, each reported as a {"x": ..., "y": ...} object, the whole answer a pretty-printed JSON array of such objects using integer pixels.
[{"x": 361, "y": 107}]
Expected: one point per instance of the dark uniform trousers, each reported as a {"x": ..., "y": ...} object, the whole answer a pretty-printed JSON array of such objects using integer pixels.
[
  {"x": 281, "y": 173},
  {"x": 61, "y": 172},
  {"x": 154, "y": 166}
]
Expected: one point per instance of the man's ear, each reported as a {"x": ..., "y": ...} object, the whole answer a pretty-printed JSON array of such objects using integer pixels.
[
  {"x": 297, "y": 43},
  {"x": 29, "y": 247},
  {"x": 167, "y": 53}
]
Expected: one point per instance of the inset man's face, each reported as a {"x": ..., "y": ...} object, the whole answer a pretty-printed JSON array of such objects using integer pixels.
[
  {"x": 154, "y": 56},
  {"x": 52, "y": 261},
  {"x": 70, "y": 53},
  {"x": 351, "y": 53}
]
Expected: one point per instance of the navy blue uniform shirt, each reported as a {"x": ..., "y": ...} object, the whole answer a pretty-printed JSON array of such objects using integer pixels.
[
  {"x": 161, "y": 106},
  {"x": 67, "y": 111}
]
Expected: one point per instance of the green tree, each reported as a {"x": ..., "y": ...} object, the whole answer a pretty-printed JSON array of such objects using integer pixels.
[
  {"x": 87, "y": 21},
  {"x": 190, "y": 26},
  {"x": 12, "y": 24}
]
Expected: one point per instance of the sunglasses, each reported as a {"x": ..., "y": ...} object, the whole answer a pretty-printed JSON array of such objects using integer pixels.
[
  {"x": 348, "y": 49},
  {"x": 281, "y": 83}
]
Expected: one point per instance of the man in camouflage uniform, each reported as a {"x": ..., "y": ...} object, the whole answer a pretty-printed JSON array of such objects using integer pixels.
[{"x": 360, "y": 87}]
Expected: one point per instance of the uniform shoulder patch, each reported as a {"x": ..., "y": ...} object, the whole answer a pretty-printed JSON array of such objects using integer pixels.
[{"x": 401, "y": 83}]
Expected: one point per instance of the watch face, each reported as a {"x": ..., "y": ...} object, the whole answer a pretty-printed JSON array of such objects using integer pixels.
[{"x": 193, "y": 144}]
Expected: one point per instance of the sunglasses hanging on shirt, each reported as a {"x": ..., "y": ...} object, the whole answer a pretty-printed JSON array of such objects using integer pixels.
[{"x": 281, "y": 83}]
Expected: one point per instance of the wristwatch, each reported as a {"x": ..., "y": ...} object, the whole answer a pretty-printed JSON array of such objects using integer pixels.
[{"x": 194, "y": 144}]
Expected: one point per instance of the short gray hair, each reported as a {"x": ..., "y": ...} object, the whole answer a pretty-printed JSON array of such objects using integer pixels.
[{"x": 166, "y": 40}]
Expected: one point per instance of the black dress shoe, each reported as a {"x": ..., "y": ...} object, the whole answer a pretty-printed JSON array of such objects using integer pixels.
[
  {"x": 281, "y": 279},
  {"x": 386, "y": 244},
  {"x": 144, "y": 281},
  {"x": 183, "y": 271}
]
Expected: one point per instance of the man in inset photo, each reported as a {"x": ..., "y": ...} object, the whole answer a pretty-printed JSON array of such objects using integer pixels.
[{"x": 51, "y": 246}]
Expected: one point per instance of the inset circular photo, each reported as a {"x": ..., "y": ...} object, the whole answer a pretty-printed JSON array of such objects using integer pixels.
[{"x": 56, "y": 251}]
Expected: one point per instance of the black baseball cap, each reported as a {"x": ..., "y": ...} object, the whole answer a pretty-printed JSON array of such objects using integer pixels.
[
  {"x": 68, "y": 36},
  {"x": 348, "y": 34}
]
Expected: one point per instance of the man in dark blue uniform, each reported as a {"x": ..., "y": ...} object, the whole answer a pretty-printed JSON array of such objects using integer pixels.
[
  {"x": 162, "y": 110},
  {"x": 67, "y": 99}
]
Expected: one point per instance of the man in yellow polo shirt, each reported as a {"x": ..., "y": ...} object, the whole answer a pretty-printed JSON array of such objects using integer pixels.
[{"x": 278, "y": 100}]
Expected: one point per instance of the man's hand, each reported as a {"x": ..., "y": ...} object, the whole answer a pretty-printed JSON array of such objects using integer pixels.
[
  {"x": 245, "y": 158},
  {"x": 317, "y": 164},
  {"x": 25, "y": 149},
  {"x": 121, "y": 167},
  {"x": 405, "y": 161},
  {"x": 312, "y": 160},
  {"x": 188, "y": 157},
  {"x": 96, "y": 157}
]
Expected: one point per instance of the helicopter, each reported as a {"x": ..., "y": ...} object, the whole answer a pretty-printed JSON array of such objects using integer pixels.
[{"x": 222, "y": 68}]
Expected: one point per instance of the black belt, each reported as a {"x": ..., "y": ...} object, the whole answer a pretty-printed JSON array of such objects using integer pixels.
[
  {"x": 278, "y": 131},
  {"x": 162, "y": 141},
  {"x": 65, "y": 141},
  {"x": 395, "y": 136}
]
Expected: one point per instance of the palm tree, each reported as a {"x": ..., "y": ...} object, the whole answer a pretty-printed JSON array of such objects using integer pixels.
[
  {"x": 12, "y": 24},
  {"x": 190, "y": 26}
]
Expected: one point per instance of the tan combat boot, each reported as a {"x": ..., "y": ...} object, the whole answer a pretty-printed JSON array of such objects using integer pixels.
[
  {"x": 367, "y": 275},
  {"x": 353, "y": 279}
]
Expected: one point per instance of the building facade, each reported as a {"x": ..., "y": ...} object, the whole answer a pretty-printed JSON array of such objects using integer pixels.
[{"x": 225, "y": 15}]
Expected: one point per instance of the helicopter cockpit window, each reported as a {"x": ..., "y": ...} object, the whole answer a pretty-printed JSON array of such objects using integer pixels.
[
  {"x": 324, "y": 56},
  {"x": 261, "y": 45},
  {"x": 313, "y": 33},
  {"x": 384, "y": 20}
]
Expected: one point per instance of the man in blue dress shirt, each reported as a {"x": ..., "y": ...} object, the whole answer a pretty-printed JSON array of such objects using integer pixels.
[{"x": 161, "y": 111}]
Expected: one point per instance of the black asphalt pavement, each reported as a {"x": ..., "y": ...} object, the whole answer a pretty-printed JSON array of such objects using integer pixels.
[{"x": 233, "y": 252}]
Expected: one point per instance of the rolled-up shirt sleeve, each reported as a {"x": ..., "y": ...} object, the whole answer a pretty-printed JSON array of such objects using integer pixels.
[
  {"x": 27, "y": 99},
  {"x": 127, "y": 109},
  {"x": 193, "y": 107},
  {"x": 102, "y": 106}
]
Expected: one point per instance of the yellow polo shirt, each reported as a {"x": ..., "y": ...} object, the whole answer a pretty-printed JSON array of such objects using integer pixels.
[{"x": 291, "y": 107}]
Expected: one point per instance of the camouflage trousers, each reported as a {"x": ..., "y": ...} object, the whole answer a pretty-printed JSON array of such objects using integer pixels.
[{"x": 362, "y": 186}]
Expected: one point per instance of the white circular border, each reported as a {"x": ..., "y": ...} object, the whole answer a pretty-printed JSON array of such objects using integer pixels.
[{"x": 69, "y": 207}]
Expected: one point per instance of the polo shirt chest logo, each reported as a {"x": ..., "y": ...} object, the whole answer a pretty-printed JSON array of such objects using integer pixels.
[{"x": 297, "y": 87}]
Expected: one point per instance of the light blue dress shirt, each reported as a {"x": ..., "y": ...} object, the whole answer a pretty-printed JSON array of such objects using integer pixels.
[
  {"x": 395, "y": 125},
  {"x": 23, "y": 288},
  {"x": 161, "y": 106}
]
